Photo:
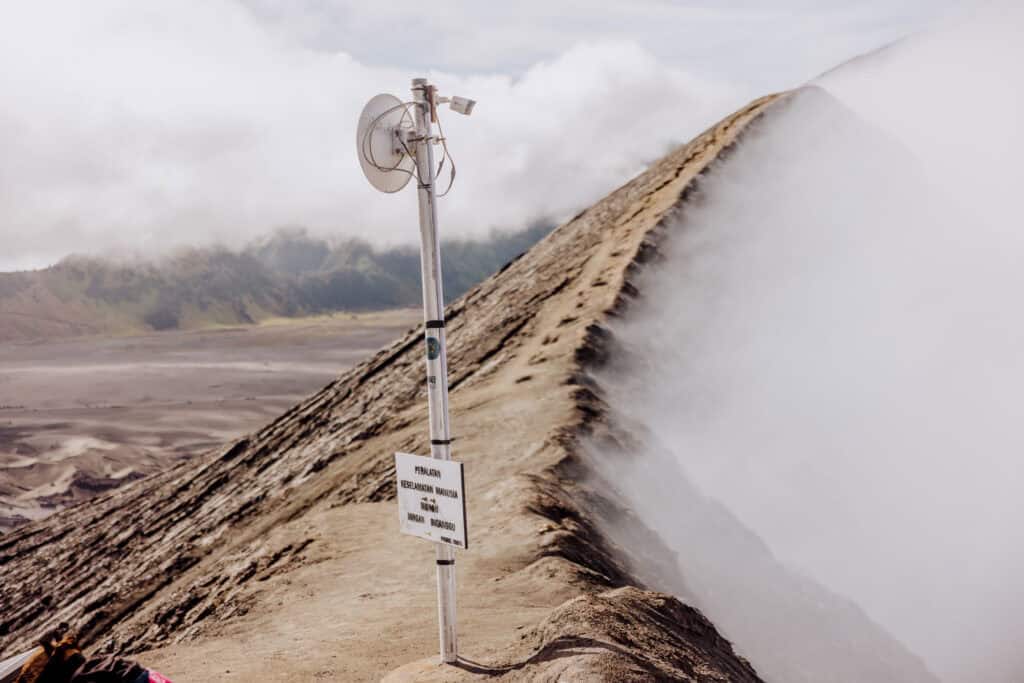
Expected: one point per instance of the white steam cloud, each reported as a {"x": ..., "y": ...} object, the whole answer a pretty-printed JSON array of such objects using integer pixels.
[
  {"x": 143, "y": 126},
  {"x": 834, "y": 351}
]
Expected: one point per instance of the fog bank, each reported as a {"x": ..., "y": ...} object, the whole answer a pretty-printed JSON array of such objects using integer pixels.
[
  {"x": 145, "y": 127},
  {"x": 832, "y": 352}
]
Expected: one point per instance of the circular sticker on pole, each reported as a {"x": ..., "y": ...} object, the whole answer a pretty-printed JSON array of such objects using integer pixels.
[{"x": 433, "y": 348}]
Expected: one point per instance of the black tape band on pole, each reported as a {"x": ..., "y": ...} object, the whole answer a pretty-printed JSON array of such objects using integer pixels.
[
  {"x": 435, "y": 324},
  {"x": 446, "y": 563},
  {"x": 440, "y": 442}
]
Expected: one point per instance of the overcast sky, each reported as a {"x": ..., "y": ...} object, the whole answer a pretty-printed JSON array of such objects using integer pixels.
[{"x": 135, "y": 127}]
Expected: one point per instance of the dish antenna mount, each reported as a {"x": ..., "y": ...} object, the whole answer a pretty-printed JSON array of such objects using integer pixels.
[{"x": 395, "y": 142}]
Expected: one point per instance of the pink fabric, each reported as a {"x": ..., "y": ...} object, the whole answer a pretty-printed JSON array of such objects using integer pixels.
[{"x": 154, "y": 677}]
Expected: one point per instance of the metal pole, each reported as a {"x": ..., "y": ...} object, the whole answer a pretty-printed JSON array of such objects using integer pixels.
[{"x": 437, "y": 356}]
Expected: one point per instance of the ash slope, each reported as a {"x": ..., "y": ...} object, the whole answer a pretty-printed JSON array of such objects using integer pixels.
[{"x": 279, "y": 557}]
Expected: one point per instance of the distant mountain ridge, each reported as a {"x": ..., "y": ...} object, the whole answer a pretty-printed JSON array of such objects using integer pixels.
[{"x": 289, "y": 273}]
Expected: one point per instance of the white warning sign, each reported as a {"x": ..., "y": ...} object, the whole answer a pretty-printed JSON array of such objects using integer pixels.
[{"x": 432, "y": 499}]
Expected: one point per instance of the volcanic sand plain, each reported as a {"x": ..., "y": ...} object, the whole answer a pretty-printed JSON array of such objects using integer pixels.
[{"x": 79, "y": 416}]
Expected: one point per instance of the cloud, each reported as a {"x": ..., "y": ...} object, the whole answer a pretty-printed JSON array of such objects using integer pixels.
[
  {"x": 765, "y": 46},
  {"x": 140, "y": 127},
  {"x": 833, "y": 347}
]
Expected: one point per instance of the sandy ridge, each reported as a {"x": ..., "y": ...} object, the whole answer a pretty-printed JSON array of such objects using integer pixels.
[{"x": 234, "y": 565}]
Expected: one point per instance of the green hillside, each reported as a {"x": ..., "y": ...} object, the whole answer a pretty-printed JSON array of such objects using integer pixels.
[{"x": 288, "y": 273}]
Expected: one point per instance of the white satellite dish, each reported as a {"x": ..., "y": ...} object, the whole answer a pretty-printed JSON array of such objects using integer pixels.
[{"x": 382, "y": 153}]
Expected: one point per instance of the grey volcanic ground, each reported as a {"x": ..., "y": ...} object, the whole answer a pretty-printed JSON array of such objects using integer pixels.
[{"x": 80, "y": 416}]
